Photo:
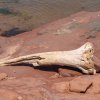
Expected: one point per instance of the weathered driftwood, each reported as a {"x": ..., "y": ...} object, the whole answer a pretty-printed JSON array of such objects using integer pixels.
[{"x": 81, "y": 58}]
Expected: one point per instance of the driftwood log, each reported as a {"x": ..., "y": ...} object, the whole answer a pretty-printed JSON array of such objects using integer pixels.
[{"x": 81, "y": 58}]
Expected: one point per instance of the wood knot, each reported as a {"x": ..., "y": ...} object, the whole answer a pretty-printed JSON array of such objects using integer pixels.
[{"x": 88, "y": 56}]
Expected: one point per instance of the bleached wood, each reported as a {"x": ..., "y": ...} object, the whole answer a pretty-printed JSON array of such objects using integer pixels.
[{"x": 81, "y": 58}]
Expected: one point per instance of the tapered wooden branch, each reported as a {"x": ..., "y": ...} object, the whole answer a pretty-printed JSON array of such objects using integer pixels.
[{"x": 81, "y": 58}]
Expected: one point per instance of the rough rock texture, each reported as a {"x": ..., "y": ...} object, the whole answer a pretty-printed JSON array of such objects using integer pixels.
[
  {"x": 80, "y": 84},
  {"x": 61, "y": 87},
  {"x": 6, "y": 94},
  {"x": 23, "y": 82}
]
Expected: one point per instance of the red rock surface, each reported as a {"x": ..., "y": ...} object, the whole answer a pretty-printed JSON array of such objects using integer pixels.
[{"x": 27, "y": 83}]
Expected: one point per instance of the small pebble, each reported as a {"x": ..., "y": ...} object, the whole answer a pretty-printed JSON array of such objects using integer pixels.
[
  {"x": 20, "y": 98},
  {"x": 3, "y": 76}
]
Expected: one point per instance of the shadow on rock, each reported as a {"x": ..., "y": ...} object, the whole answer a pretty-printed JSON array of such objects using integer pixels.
[{"x": 12, "y": 32}]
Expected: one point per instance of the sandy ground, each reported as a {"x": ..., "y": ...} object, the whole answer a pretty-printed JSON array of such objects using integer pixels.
[{"x": 54, "y": 83}]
